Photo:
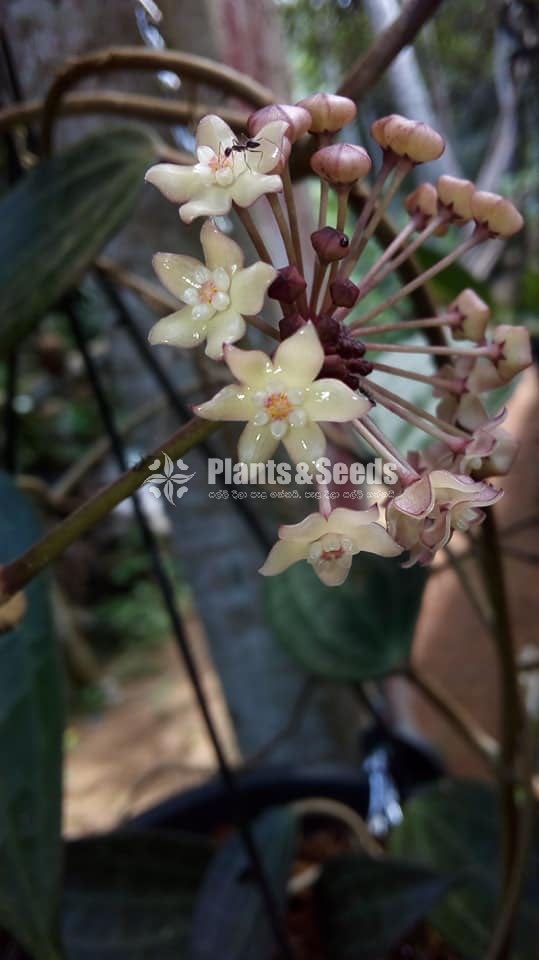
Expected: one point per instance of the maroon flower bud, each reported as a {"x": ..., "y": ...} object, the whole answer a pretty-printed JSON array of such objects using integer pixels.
[
  {"x": 341, "y": 164},
  {"x": 290, "y": 324},
  {"x": 329, "y": 330},
  {"x": 334, "y": 366},
  {"x": 361, "y": 367},
  {"x": 344, "y": 293},
  {"x": 297, "y": 118},
  {"x": 329, "y": 112},
  {"x": 288, "y": 285},
  {"x": 329, "y": 244},
  {"x": 351, "y": 348}
]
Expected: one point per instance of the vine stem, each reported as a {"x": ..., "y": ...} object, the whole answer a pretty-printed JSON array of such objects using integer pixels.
[
  {"x": 156, "y": 109},
  {"x": 254, "y": 233},
  {"x": 480, "y": 741},
  {"x": 510, "y": 719},
  {"x": 292, "y": 216},
  {"x": 190, "y": 66},
  {"x": 14, "y": 575}
]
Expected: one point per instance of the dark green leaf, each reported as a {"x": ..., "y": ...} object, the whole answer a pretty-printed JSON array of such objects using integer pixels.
[
  {"x": 361, "y": 630},
  {"x": 230, "y": 920},
  {"x": 367, "y": 906},
  {"x": 453, "y": 827},
  {"x": 130, "y": 896},
  {"x": 57, "y": 219},
  {"x": 31, "y": 727}
]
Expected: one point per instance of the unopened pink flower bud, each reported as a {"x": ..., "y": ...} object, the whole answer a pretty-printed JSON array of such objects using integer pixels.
[
  {"x": 498, "y": 214},
  {"x": 287, "y": 286},
  {"x": 456, "y": 195},
  {"x": 329, "y": 244},
  {"x": 329, "y": 112},
  {"x": 297, "y": 118},
  {"x": 516, "y": 351},
  {"x": 344, "y": 293},
  {"x": 474, "y": 315},
  {"x": 408, "y": 138},
  {"x": 423, "y": 200},
  {"x": 341, "y": 163}
]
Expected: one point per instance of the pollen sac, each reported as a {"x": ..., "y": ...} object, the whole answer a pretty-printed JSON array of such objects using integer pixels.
[
  {"x": 456, "y": 195},
  {"x": 329, "y": 112},
  {"x": 329, "y": 244},
  {"x": 344, "y": 293},
  {"x": 474, "y": 315},
  {"x": 341, "y": 164},
  {"x": 297, "y": 118},
  {"x": 498, "y": 214},
  {"x": 287, "y": 286},
  {"x": 408, "y": 138}
]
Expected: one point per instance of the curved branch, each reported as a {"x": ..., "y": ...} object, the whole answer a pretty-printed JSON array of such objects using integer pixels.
[
  {"x": 156, "y": 109},
  {"x": 14, "y": 575},
  {"x": 192, "y": 67},
  {"x": 370, "y": 67}
]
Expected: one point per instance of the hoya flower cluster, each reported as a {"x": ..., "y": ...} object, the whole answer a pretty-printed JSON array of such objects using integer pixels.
[{"x": 324, "y": 369}]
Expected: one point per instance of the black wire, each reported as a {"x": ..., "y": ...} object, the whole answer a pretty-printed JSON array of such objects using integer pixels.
[
  {"x": 152, "y": 362},
  {"x": 166, "y": 587}
]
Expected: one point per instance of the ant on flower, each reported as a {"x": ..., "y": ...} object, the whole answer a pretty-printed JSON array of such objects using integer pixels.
[{"x": 242, "y": 146}]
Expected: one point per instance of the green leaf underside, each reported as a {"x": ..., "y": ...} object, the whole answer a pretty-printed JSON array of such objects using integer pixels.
[
  {"x": 57, "y": 219},
  {"x": 359, "y": 631},
  {"x": 130, "y": 896},
  {"x": 453, "y": 827},
  {"x": 367, "y": 906},
  {"x": 230, "y": 921},
  {"x": 31, "y": 725}
]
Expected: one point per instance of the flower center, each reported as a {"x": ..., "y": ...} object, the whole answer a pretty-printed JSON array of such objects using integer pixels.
[
  {"x": 210, "y": 293},
  {"x": 220, "y": 161},
  {"x": 278, "y": 406},
  {"x": 207, "y": 292},
  {"x": 281, "y": 409},
  {"x": 331, "y": 558}
]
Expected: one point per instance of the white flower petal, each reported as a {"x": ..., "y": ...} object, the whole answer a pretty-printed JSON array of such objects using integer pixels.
[
  {"x": 179, "y": 329},
  {"x": 269, "y": 153},
  {"x": 230, "y": 403},
  {"x": 300, "y": 357},
  {"x": 345, "y": 521},
  {"x": 178, "y": 183},
  {"x": 205, "y": 155},
  {"x": 310, "y": 528},
  {"x": 332, "y": 400},
  {"x": 215, "y": 133},
  {"x": 372, "y": 538},
  {"x": 220, "y": 250},
  {"x": 210, "y": 202},
  {"x": 305, "y": 444},
  {"x": 224, "y": 328},
  {"x": 250, "y": 186},
  {"x": 249, "y": 286},
  {"x": 333, "y": 572},
  {"x": 256, "y": 444},
  {"x": 252, "y": 367},
  {"x": 282, "y": 556},
  {"x": 177, "y": 273}
]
